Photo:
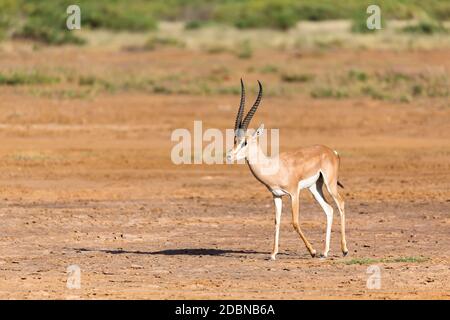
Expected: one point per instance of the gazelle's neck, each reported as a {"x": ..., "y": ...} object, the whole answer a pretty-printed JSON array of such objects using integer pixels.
[{"x": 260, "y": 164}]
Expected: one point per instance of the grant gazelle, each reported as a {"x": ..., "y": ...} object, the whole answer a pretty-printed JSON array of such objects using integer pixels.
[{"x": 286, "y": 174}]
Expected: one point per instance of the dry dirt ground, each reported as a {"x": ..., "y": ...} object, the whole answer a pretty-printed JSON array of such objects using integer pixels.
[{"x": 89, "y": 182}]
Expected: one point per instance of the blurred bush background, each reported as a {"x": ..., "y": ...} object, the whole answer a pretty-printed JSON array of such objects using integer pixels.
[{"x": 45, "y": 20}]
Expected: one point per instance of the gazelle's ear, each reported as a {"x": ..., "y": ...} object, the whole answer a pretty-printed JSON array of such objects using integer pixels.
[{"x": 259, "y": 131}]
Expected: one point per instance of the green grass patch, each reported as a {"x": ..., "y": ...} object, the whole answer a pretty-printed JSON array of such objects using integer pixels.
[
  {"x": 358, "y": 75},
  {"x": 329, "y": 93},
  {"x": 244, "y": 50},
  {"x": 23, "y": 78},
  {"x": 33, "y": 158},
  {"x": 197, "y": 24},
  {"x": 386, "y": 85},
  {"x": 296, "y": 77},
  {"x": 159, "y": 41},
  {"x": 269, "y": 68},
  {"x": 365, "y": 261},
  {"x": 374, "y": 93},
  {"x": 215, "y": 49}
]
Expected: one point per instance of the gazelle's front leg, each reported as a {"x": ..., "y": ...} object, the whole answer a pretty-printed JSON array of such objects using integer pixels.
[
  {"x": 278, "y": 206},
  {"x": 296, "y": 224}
]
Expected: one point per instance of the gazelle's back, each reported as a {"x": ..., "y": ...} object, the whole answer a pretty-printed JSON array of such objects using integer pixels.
[{"x": 308, "y": 161}]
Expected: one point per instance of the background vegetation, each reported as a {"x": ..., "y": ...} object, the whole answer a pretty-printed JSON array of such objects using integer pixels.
[
  {"x": 290, "y": 29},
  {"x": 45, "y": 20}
]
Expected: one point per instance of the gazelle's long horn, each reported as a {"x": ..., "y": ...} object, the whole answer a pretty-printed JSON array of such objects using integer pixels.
[
  {"x": 252, "y": 111},
  {"x": 237, "y": 124}
]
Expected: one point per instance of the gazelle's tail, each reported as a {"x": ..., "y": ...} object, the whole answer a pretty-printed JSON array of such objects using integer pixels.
[{"x": 339, "y": 158}]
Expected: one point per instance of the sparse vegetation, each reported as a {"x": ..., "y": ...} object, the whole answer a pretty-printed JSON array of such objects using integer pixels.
[
  {"x": 427, "y": 27},
  {"x": 357, "y": 75},
  {"x": 158, "y": 41},
  {"x": 379, "y": 85},
  {"x": 365, "y": 261},
  {"x": 296, "y": 77},
  {"x": 372, "y": 92},
  {"x": 328, "y": 92},
  {"x": 45, "y": 20},
  {"x": 244, "y": 50},
  {"x": 26, "y": 78},
  {"x": 388, "y": 85},
  {"x": 269, "y": 68},
  {"x": 196, "y": 24},
  {"x": 216, "y": 49}
]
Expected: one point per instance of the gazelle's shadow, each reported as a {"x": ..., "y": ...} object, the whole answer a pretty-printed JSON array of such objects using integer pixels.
[{"x": 176, "y": 252}]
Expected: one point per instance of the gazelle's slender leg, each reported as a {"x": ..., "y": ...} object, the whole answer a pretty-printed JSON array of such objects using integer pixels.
[
  {"x": 333, "y": 190},
  {"x": 316, "y": 190},
  {"x": 295, "y": 203},
  {"x": 341, "y": 206},
  {"x": 278, "y": 206}
]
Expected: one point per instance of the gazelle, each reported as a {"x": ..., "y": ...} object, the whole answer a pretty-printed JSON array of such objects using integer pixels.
[{"x": 309, "y": 167}]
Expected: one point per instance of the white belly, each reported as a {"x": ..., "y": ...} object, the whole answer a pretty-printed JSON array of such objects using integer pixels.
[
  {"x": 278, "y": 192},
  {"x": 302, "y": 184},
  {"x": 308, "y": 182}
]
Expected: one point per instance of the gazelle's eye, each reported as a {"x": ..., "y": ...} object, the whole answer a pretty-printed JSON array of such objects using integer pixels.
[{"x": 245, "y": 143}]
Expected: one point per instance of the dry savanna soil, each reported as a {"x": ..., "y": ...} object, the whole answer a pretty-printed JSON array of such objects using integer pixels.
[{"x": 87, "y": 180}]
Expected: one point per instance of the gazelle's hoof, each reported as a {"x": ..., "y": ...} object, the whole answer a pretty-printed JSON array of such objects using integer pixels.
[
  {"x": 344, "y": 253},
  {"x": 272, "y": 257},
  {"x": 323, "y": 255},
  {"x": 313, "y": 253}
]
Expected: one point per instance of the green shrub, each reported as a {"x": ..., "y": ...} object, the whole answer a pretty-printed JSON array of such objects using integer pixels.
[
  {"x": 34, "y": 29},
  {"x": 359, "y": 24},
  {"x": 195, "y": 24},
  {"x": 358, "y": 75},
  {"x": 296, "y": 77},
  {"x": 46, "y": 22},
  {"x": 274, "y": 16},
  {"x": 143, "y": 15},
  {"x": 426, "y": 27},
  {"x": 8, "y": 10},
  {"x": 116, "y": 15}
]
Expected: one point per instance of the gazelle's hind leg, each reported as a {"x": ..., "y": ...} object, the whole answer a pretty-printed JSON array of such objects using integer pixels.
[
  {"x": 332, "y": 188},
  {"x": 316, "y": 190}
]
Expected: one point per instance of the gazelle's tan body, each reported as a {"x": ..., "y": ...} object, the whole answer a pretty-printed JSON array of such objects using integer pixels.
[
  {"x": 288, "y": 173},
  {"x": 300, "y": 165}
]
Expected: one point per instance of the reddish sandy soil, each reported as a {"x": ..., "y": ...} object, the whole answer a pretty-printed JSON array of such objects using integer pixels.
[{"x": 89, "y": 182}]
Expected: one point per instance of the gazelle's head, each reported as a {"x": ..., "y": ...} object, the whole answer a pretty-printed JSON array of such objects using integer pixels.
[{"x": 243, "y": 139}]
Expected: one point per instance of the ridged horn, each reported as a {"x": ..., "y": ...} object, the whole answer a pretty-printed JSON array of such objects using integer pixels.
[
  {"x": 237, "y": 124},
  {"x": 251, "y": 112}
]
